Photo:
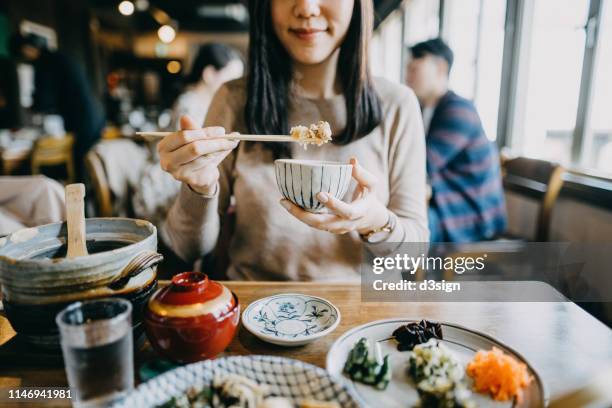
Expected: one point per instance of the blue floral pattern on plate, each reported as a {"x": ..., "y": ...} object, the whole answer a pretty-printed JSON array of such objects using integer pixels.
[{"x": 290, "y": 317}]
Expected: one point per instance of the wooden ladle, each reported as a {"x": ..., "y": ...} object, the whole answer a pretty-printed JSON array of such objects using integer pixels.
[{"x": 75, "y": 218}]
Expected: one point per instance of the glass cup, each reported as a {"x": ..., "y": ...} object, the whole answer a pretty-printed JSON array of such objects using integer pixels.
[{"x": 96, "y": 338}]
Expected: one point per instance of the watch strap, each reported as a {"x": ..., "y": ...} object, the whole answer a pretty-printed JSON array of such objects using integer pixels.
[{"x": 387, "y": 228}]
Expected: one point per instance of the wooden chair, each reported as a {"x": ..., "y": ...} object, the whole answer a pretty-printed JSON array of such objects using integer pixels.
[
  {"x": 52, "y": 151},
  {"x": 532, "y": 179},
  {"x": 503, "y": 159},
  {"x": 111, "y": 132},
  {"x": 535, "y": 179},
  {"x": 99, "y": 183}
]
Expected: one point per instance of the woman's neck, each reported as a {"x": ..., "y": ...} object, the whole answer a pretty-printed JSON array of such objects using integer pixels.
[{"x": 318, "y": 81}]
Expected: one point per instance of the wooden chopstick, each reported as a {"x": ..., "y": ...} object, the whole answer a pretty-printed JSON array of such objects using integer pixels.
[{"x": 252, "y": 138}]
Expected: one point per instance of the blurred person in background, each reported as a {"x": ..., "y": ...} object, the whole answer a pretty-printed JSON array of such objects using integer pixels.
[
  {"x": 29, "y": 201},
  {"x": 214, "y": 65},
  {"x": 467, "y": 199},
  {"x": 61, "y": 87}
]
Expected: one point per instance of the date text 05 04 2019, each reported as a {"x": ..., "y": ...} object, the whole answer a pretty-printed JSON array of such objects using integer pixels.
[{"x": 425, "y": 286}]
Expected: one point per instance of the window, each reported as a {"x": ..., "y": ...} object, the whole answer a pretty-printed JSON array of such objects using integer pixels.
[
  {"x": 474, "y": 29},
  {"x": 544, "y": 106},
  {"x": 384, "y": 59},
  {"x": 490, "y": 58},
  {"x": 552, "y": 87},
  {"x": 422, "y": 21},
  {"x": 461, "y": 26},
  {"x": 597, "y": 147},
  {"x": 416, "y": 21}
]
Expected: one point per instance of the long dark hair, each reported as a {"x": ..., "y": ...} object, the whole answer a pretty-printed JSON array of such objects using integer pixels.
[{"x": 270, "y": 75}]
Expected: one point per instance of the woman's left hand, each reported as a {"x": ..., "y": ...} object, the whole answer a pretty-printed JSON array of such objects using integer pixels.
[{"x": 363, "y": 214}]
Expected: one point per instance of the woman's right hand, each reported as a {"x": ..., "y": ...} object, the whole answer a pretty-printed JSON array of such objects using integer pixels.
[{"x": 192, "y": 155}]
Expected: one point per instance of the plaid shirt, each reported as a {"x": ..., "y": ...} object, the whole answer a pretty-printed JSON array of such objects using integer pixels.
[{"x": 467, "y": 202}]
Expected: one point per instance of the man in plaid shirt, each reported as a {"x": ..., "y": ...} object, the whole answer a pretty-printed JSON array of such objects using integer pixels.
[{"x": 467, "y": 200}]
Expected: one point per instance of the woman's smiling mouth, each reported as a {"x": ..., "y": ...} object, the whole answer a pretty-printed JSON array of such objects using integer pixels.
[{"x": 306, "y": 34}]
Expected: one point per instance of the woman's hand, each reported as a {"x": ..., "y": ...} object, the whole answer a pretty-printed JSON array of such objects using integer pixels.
[
  {"x": 192, "y": 155},
  {"x": 363, "y": 214}
]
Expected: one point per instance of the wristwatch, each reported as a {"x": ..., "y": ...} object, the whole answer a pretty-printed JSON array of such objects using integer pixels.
[{"x": 382, "y": 233}]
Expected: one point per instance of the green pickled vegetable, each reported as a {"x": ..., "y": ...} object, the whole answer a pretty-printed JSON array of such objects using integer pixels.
[
  {"x": 384, "y": 374},
  {"x": 361, "y": 366}
]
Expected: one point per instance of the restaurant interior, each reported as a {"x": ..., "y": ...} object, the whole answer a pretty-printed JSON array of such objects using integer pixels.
[{"x": 86, "y": 84}]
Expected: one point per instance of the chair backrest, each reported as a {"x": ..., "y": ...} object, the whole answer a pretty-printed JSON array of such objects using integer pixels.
[
  {"x": 52, "y": 147},
  {"x": 536, "y": 179},
  {"x": 99, "y": 183},
  {"x": 52, "y": 151}
]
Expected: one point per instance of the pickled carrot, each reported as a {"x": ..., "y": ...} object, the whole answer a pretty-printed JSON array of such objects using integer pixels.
[{"x": 498, "y": 374}]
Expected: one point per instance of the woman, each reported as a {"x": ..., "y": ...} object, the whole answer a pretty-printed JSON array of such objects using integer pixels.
[
  {"x": 214, "y": 65},
  {"x": 307, "y": 62}
]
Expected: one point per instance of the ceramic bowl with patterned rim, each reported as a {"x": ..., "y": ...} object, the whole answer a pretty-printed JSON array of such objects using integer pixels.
[
  {"x": 299, "y": 181},
  {"x": 284, "y": 377},
  {"x": 290, "y": 319}
]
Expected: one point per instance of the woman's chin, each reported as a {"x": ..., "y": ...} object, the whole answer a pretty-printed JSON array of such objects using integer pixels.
[{"x": 312, "y": 56}]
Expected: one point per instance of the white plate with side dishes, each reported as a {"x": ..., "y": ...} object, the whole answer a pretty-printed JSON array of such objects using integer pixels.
[
  {"x": 401, "y": 391},
  {"x": 290, "y": 319}
]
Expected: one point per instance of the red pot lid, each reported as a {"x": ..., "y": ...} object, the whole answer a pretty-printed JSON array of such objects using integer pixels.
[{"x": 191, "y": 294}]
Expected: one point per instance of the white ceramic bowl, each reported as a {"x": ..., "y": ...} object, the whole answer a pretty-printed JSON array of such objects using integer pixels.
[
  {"x": 290, "y": 319},
  {"x": 299, "y": 181}
]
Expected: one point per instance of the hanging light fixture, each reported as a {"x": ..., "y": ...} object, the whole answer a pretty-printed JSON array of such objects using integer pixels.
[
  {"x": 166, "y": 33},
  {"x": 173, "y": 67},
  {"x": 142, "y": 5},
  {"x": 126, "y": 8}
]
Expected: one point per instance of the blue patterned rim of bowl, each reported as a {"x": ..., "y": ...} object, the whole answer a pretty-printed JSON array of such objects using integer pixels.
[
  {"x": 291, "y": 318},
  {"x": 299, "y": 181}
]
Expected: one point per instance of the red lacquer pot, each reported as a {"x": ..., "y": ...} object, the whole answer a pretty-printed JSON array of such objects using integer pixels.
[{"x": 192, "y": 319}]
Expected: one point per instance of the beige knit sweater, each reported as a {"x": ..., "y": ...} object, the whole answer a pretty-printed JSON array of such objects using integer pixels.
[{"x": 269, "y": 243}]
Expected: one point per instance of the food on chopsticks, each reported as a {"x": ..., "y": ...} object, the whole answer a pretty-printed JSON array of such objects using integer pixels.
[
  {"x": 439, "y": 376},
  {"x": 363, "y": 367},
  {"x": 318, "y": 133},
  {"x": 411, "y": 334},
  {"x": 498, "y": 374},
  {"x": 236, "y": 391}
]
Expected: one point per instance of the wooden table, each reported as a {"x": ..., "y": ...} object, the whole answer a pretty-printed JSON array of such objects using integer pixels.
[{"x": 564, "y": 343}]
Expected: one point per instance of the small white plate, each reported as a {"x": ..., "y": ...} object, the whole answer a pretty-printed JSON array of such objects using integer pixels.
[{"x": 290, "y": 319}]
